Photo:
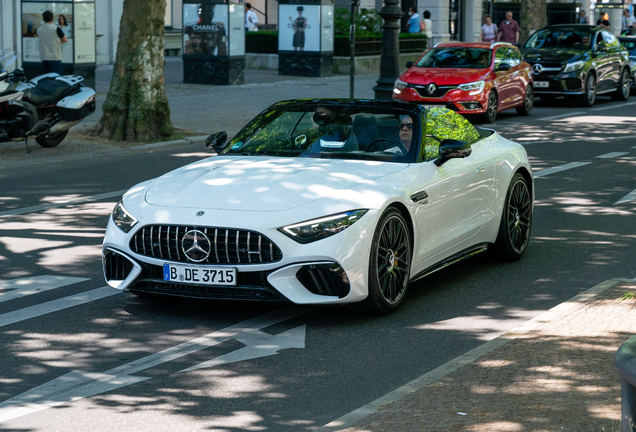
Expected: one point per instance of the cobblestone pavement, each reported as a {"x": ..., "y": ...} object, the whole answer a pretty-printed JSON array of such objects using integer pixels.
[{"x": 558, "y": 376}]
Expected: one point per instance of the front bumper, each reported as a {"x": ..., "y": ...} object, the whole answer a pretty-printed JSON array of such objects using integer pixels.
[
  {"x": 559, "y": 83},
  {"x": 454, "y": 99}
]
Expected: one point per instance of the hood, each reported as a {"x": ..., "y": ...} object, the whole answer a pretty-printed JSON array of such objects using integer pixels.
[
  {"x": 553, "y": 55},
  {"x": 443, "y": 76},
  {"x": 253, "y": 183}
]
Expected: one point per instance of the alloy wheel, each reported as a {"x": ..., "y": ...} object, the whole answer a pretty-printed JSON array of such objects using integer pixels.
[
  {"x": 591, "y": 89},
  {"x": 519, "y": 214},
  {"x": 393, "y": 259},
  {"x": 529, "y": 100},
  {"x": 626, "y": 85}
]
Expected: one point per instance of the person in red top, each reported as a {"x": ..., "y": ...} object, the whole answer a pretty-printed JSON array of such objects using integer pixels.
[{"x": 509, "y": 30}]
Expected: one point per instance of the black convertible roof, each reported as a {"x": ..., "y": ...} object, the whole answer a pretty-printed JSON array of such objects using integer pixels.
[{"x": 372, "y": 103}]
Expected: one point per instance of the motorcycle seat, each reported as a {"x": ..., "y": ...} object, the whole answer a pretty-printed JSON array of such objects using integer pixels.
[{"x": 48, "y": 91}]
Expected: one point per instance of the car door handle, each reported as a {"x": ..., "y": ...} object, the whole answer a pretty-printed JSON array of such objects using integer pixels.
[
  {"x": 481, "y": 169},
  {"x": 421, "y": 197}
]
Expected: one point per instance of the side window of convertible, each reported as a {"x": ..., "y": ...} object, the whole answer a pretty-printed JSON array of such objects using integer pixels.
[{"x": 441, "y": 124}]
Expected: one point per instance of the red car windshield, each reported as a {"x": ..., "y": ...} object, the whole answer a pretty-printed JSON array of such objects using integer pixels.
[{"x": 456, "y": 57}]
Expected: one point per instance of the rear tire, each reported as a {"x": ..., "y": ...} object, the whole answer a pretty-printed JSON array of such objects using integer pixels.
[
  {"x": 528, "y": 103},
  {"x": 589, "y": 91},
  {"x": 491, "y": 108},
  {"x": 624, "y": 87},
  {"x": 51, "y": 140},
  {"x": 516, "y": 221},
  {"x": 389, "y": 265}
]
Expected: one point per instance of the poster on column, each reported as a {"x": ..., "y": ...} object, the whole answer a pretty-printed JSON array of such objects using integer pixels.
[
  {"x": 32, "y": 20},
  {"x": 299, "y": 28},
  {"x": 205, "y": 29},
  {"x": 84, "y": 33}
]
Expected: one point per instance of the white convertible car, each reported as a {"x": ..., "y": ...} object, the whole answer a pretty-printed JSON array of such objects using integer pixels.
[{"x": 324, "y": 202}]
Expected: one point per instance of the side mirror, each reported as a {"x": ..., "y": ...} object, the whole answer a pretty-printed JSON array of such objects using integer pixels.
[
  {"x": 452, "y": 149},
  {"x": 409, "y": 64},
  {"x": 216, "y": 141},
  {"x": 503, "y": 67},
  {"x": 3, "y": 75}
]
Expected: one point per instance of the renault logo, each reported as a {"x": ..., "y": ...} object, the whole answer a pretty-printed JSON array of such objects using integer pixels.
[
  {"x": 431, "y": 88},
  {"x": 537, "y": 69},
  {"x": 196, "y": 246}
]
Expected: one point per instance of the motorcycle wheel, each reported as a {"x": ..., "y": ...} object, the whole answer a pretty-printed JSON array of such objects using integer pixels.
[{"x": 51, "y": 140}]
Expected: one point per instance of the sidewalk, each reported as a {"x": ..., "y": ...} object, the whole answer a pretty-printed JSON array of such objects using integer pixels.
[{"x": 555, "y": 374}]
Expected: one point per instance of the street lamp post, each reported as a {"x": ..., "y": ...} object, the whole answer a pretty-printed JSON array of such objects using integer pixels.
[{"x": 390, "y": 59}]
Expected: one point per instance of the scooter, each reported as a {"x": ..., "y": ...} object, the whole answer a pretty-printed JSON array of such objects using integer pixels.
[{"x": 44, "y": 108}]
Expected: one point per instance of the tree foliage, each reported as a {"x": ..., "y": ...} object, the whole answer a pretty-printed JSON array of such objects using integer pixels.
[{"x": 136, "y": 108}]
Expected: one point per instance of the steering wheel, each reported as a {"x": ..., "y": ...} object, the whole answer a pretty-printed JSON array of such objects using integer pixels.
[{"x": 384, "y": 143}]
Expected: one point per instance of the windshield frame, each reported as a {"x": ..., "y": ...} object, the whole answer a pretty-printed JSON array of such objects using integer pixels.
[{"x": 265, "y": 119}]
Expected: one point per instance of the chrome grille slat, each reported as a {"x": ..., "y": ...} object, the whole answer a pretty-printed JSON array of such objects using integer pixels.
[{"x": 149, "y": 239}]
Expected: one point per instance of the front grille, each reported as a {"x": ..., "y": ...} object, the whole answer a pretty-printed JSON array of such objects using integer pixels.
[
  {"x": 439, "y": 92},
  {"x": 227, "y": 246},
  {"x": 116, "y": 266},
  {"x": 250, "y": 286}
]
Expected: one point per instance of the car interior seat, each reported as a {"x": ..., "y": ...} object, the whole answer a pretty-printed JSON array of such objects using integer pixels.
[{"x": 366, "y": 130}]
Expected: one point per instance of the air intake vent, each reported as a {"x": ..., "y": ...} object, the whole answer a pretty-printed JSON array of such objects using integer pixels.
[
  {"x": 116, "y": 267},
  {"x": 324, "y": 279}
]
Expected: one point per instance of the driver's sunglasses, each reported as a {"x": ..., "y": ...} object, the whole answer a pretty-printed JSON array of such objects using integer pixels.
[{"x": 405, "y": 125}]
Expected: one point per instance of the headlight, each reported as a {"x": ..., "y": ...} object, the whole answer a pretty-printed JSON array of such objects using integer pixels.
[
  {"x": 318, "y": 229},
  {"x": 124, "y": 220},
  {"x": 632, "y": 64},
  {"x": 571, "y": 67},
  {"x": 474, "y": 88},
  {"x": 401, "y": 85}
]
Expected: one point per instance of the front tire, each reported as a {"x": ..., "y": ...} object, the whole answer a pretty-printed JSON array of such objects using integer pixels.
[
  {"x": 51, "y": 140},
  {"x": 589, "y": 91},
  {"x": 516, "y": 221},
  {"x": 528, "y": 103},
  {"x": 624, "y": 87},
  {"x": 389, "y": 265},
  {"x": 491, "y": 108}
]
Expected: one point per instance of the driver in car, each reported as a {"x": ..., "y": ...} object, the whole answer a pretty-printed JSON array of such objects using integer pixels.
[{"x": 406, "y": 135}]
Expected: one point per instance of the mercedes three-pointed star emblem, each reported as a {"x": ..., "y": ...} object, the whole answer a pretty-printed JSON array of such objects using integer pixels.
[
  {"x": 196, "y": 245},
  {"x": 537, "y": 69}
]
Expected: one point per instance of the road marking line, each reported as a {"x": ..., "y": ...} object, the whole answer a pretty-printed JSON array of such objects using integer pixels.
[
  {"x": 80, "y": 200},
  {"x": 56, "y": 305},
  {"x": 619, "y": 105},
  {"x": 559, "y": 168},
  {"x": 354, "y": 417},
  {"x": 612, "y": 155},
  {"x": 629, "y": 197},
  {"x": 15, "y": 288},
  {"x": 567, "y": 140},
  {"x": 560, "y": 116}
]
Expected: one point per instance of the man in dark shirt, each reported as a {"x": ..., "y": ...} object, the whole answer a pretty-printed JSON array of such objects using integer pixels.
[
  {"x": 509, "y": 30},
  {"x": 603, "y": 20}
]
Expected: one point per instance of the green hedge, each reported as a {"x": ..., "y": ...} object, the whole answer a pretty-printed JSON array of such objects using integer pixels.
[{"x": 261, "y": 42}]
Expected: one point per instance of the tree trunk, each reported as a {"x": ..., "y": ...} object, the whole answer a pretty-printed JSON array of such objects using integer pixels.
[
  {"x": 136, "y": 108},
  {"x": 533, "y": 17}
]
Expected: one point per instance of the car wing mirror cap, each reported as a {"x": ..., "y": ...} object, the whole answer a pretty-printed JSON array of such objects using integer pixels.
[
  {"x": 3, "y": 75},
  {"x": 409, "y": 64},
  {"x": 216, "y": 141},
  {"x": 452, "y": 149},
  {"x": 503, "y": 67}
]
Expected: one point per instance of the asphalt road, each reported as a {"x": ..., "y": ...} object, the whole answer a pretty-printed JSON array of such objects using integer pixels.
[{"x": 77, "y": 356}]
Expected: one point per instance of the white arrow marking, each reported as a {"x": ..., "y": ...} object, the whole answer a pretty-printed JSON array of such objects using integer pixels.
[
  {"x": 629, "y": 197},
  {"x": 259, "y": 344},
  {"x": 559, "y": 168},
  {"x": 15, "y": 288},
  {"x": 77, "y": 385}
]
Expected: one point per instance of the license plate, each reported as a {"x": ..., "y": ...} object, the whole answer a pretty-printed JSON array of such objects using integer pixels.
[
  {"x": 542, "y": 84},
  {"x": 199, "y": 275},
  {"x": 429, "y": 106}
]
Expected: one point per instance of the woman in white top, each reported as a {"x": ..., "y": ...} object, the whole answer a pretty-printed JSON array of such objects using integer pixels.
[
  {"x": 488, "y": 30},
  {"x": 63, "y": 24},
  {"x": 428, "y": 26}
]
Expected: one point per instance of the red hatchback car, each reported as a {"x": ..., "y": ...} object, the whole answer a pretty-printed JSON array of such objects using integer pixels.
[{"x": 470, "y": 78}]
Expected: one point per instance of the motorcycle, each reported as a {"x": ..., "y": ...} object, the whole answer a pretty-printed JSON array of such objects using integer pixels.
[{"x": 44, "y": 108}]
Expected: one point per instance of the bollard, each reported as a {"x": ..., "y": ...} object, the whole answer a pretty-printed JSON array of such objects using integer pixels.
[{"x": 625, "y": 361}]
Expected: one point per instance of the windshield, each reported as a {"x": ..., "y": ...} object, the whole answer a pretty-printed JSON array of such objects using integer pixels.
[
  {"x": 630, "y": 45},
  {"x": 330, "y": 131},
  {"x": 456, "y": 57},
  {"x": 560, "y": 38}
]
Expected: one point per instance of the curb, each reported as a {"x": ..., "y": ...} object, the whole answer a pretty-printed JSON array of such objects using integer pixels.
[{"x": 354, "y": 417}]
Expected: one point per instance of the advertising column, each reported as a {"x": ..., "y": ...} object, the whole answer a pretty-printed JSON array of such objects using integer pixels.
[
  {"x": 213, "y": 43},
  {"x": 305, "y": 37},
  {"x": 76, "y": 19}
]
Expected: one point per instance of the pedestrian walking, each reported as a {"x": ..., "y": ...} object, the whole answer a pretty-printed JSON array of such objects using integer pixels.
[
  {"x": 413, "y": 25},
  {"x": 582, "y": 17},
  {"x": 509, "y": 30},
  {"x": 428, "y": 27},
  {"x": 250, "y": 18},
  {"x": 628, "y": 23},
  {"x": 489, "y": 31},
  {"x": 51, "y": 38}
]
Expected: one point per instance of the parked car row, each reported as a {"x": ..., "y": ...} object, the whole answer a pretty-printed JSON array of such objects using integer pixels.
[{"x": 579, "y": 62}]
